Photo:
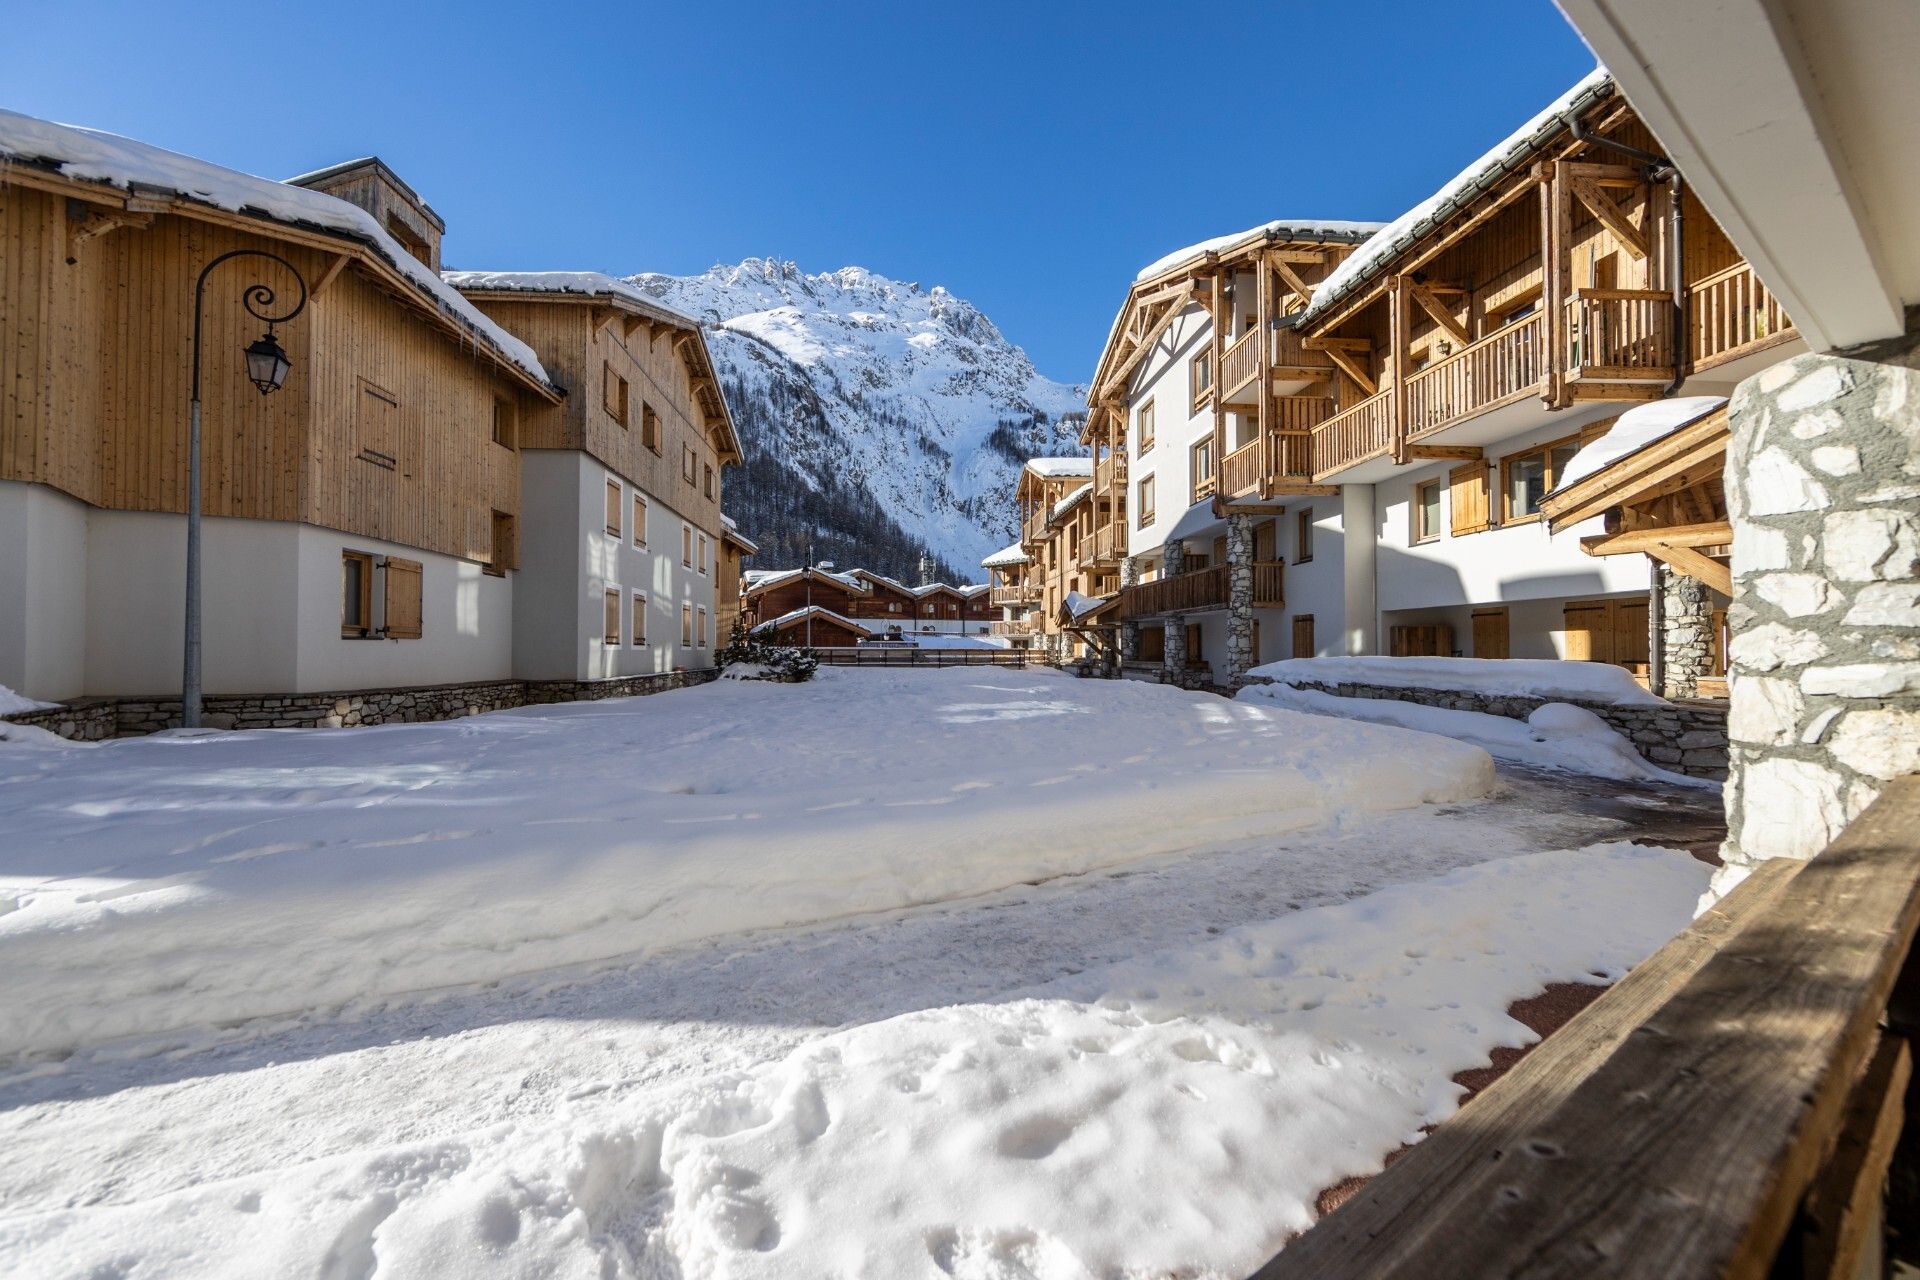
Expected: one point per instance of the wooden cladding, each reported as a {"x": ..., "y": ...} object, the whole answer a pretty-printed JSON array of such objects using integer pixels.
[
  {"x": 1612, "y": 631},
  {"x": 403, "y": 599}
]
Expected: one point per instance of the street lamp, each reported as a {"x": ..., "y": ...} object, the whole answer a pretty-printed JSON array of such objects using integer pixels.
[{"x": 267, "y": 366}]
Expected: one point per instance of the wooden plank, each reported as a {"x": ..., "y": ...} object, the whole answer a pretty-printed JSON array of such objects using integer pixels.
[
  {"x": 1611, "y": 215},
  {"x": 1437, "y": 452},
  {"x": 1842, "y": 1208},
  {"x": 1441, "y": 313},
  {"x": 1710, "y": 534},
  {"x": 1683, "y": 1153},
  {"x": 1412, "y": 1206},
  {"x": 1695, "y": 565}
]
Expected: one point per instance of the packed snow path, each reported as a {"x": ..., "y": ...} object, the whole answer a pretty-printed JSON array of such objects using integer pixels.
[{"x": 186, "y": 1152}]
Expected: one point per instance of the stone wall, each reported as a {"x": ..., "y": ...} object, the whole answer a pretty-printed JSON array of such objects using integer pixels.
[
  {"x": 1689, "y": 738},
  {"x": 1686, "y": 632},
  {"x": 1823, "y": 486},
  {"x": 95, "y": 719}
]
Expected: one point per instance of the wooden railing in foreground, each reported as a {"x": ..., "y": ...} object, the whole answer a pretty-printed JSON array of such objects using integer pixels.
[
  {"x": 906, "y": 655},
  {"x": 1729, "y": 1109}
]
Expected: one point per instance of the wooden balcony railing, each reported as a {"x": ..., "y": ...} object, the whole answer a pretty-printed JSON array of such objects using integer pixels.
[
  {"x": 1240, "y": 363},
  {"x": 1203, "y": 589},
  {"x": 1204, "y": 486},
  {"x": 1240, "y": 470},
  {"x": 1110, "y": 472},
  {"x": 1110, "y": 542},
  {"x": 1013, "y": 627},
  {"x": 1619, "y": 335},
  {"x": 1354, "y": 435},
  {"x": 1731, "y": 1108},
  {"x": 1729, "y": 313},
  {"x": 1015, "y": 595},
  {"x": 1499, "y": 368}
]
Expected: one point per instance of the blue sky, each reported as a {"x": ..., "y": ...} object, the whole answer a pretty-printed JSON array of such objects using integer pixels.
[{"x": 1029, "y": 156}]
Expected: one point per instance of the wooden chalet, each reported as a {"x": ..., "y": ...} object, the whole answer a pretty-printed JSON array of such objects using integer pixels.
[
  {"x": 735, "y": 547},
  {"x": 1053, "y": 567}
]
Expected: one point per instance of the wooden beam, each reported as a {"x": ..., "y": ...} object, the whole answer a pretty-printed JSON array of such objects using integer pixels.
[
  {"x": 635, "y": 321},
  {"x": 1611, "y": 216},
  {"x": 1353, "y": 369},
  {"x": 1462, "y": 452},
  {"x": 1118, "y": 379},
  {"x": 1284, "y": 269},
  {"x": 602, "y": 318},
  {"x": 1441, "y": 313},
  {"x": 332, "y": 273},
  {"x": 1716, "y": 533},
  {"x": 1687, "y": 561}
]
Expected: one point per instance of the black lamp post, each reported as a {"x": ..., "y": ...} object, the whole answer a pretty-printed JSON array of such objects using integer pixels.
[{"x": 267, "y": 367}]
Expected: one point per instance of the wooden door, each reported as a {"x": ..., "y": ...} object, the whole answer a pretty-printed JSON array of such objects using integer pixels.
[
  {"x": 1195, "y": 657},
  {"x": 1588, "y": 637},
  {"x": 1490, "y": 633},
  {"x": 1303, "y": 646},
  {"x": 1427, "y": 640}
]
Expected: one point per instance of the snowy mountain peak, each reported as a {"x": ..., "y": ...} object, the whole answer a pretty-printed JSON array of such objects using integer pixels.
[{"x": 880, "y": 418}]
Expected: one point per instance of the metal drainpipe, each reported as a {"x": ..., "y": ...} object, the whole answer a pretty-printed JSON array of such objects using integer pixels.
[{"x": 1659, "y": 168}]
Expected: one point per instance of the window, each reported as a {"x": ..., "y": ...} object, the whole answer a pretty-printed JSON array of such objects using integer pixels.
[
  {"x": 613, "y": 507},
  {"x": 1146, "y": 428},
  {"x": 612, "y": 625},
  {"x": 402, "y": 599},
  {"x": 356, "y": 594},
  {"x": 1202, "y": 468},
  {"x": 1302, "y": 536},
  {"x": 702, "y": 565},
  {"x": 700, "y": 630},
  {"x": 639, "y": 519},
  {"x": 1143, "y": 501},
  {"x": 686, "y": 546},
  {"x": 1527, "y": 477},
  {"x": 613, "y": 394},
  {"x": 504, "y": 554},
  {"x": 637, "y": 629},
  {"x": 687, "y": 463},
  {"x": 1426, "y": 511},
  {"x": 503, "y": 422},
  {"x": 1200, "y": 374},
  {"x": 649, "y": 427},
  {"x": 709, "y": 482},
  {"x": 686, "y": 624}
]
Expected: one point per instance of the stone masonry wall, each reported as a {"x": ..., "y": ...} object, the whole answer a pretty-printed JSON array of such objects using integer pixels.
[
  {"x": 1689, "y": 738},
  {"x": 1686, "y": 633},
  {"x": 1823, "y": 485},
  {"x": 95, "y": 719}
]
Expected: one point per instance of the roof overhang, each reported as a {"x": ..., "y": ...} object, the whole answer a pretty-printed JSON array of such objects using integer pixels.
[{"x": 1688, "y": 456}]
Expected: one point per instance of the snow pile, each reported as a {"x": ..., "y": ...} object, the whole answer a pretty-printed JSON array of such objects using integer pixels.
[
  {"x": 165, "y": 883},
  {"x": 1278, "y": 229},
  {"x": 1633, "y": 431},
  {"x": 1511, "y": 677},
  {"x": 1555, "y": 736},
  {"x": 1174, "y": 1114},
  {"x": 1463, "y": 186},
  {"x": 90, "y": 155},
  {"x": 13, "y": 704}
]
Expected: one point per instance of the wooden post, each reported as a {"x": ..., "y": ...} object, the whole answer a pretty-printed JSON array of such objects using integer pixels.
[
  {"x": 1397, "y": 361},
  {"x": 1263, "y": 336},
  {"x": 1556, "y": 282},
  {"x": 1222, "y": 314}
]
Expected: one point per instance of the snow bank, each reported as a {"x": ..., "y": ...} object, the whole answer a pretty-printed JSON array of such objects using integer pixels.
[
  {"x": 1175, "y": 1114},
  {"x": 1511, "y": 677},
  {"x": 13, "y": 704},
  {"x": 164, "y": 883},
  {"x": 1555, "y": 736},
  {"x": 1633, "y": 431},
  {"x": 91, "y": 155}
]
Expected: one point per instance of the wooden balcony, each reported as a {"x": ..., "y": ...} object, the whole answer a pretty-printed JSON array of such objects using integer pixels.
[
  {"x": 1204, "y": 487},
  {"x": 1110, "y": 543},
  {"x": 1498, "y": 369},
  {"x": 1014, "y": 627},
  {"x": 1354, "y": 435},
  {"x": 1731, "y": 314},
  {"x": 1240, "y": 370},
  {"x": 1733, "y": 1107},
  {"x": 1202, "y": 590},
  {"x": 1014, "y": 596},
  {"x": 1619, "y": 335},
  {"x": 1110, "y": 472},
  {"x": 1240, "y": 471}
]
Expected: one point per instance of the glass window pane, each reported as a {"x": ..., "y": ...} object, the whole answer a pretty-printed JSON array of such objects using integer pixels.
[{"x": 1526, "y": 481}]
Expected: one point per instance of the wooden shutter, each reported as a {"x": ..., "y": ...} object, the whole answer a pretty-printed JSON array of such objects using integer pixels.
[
  {"x": 1429, "y": 640},
  {"x": 403, "y": 599},
  {"x": 1194, "y": 645},
  {"x": 1490, "y": 634},
  {"x": 1303, "y": 646},
  {"x": 1629, "y": 619},
  {"x": 1469, "y": 487},
  {"x": 1588, "y": 637}
]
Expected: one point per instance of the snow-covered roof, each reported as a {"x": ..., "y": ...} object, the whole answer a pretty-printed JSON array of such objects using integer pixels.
[
  {"x": 761, "y": 579},
  {"x": 90, "y": 155},
  {"x": 815, "y": 611},
  {"x": 1495, "y": 164},
  {"x": 971, "y": 589},
  {"x": 1278, "y": 229},
  {"x": 1078, "y": 606},
  {"x": 1061, "y": 468},
  {"x": 1006, "y": 557},
  {"x": 1061, "y": 507},
  {"x": 731, "y": 530},
  {"x": 1633, "y": 431},
  {"x": 591, "y": 284}
]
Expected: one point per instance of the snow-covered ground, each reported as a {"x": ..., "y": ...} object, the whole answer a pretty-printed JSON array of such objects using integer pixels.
[{"x": 1134, "y": 1069}]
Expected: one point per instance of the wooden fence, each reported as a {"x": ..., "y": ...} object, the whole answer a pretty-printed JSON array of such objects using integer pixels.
[
  {"x": 907, "y": 655},
  {"x": 1730, "y": 1109}
]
